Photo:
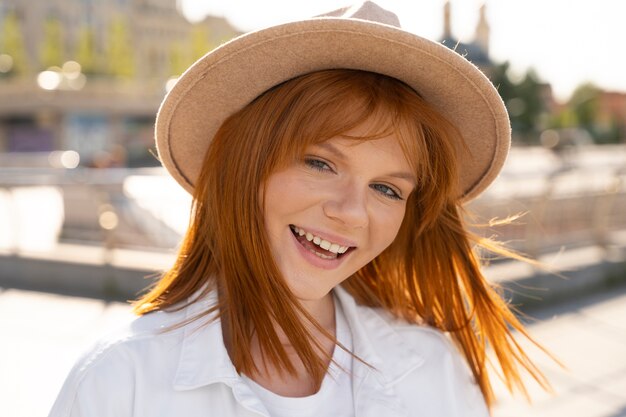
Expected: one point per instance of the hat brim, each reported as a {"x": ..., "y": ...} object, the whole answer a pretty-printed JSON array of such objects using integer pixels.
[{"x": 231, "y": 76}]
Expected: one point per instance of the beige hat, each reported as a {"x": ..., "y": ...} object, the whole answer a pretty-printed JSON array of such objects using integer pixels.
[{"x": 364, "y": 37}]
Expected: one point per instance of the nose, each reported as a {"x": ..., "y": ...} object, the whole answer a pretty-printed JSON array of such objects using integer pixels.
[{"x": 348, "y": 205}]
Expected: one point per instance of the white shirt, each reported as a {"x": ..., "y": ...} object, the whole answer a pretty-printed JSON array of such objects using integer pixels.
[
  {"x": 144, "y": 372},
  {"x": 334, "y": 397}
]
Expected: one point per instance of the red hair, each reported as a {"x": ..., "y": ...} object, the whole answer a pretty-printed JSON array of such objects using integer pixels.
[{"x": 429, "y": 274}]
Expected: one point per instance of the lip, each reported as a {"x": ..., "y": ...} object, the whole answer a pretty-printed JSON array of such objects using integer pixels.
[
  {"x": 341, "y": 241},
  {"x": 315, "y": 260}
]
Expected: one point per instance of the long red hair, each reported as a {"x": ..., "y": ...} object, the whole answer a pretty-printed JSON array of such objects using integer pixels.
[{"x": 429, "y": 274}]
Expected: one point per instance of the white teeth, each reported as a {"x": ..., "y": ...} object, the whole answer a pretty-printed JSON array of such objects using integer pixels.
[
  {"x": 324, "y": 244},
  {"x": 321, "y": 255}
]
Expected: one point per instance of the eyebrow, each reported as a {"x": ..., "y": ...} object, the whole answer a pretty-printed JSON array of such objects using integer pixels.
[
  {"x": 331, "y": 148},
  {"x": 401, "y": 175},
  {"x": 404, "y": 176}
]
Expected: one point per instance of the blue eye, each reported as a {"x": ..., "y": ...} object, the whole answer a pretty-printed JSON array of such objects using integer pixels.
[
  {"x": 386, "y": 191},
  {"x": 317, "y": 164}
]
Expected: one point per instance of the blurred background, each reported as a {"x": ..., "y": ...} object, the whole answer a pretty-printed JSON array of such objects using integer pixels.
[{"x": 87, "y": 216}]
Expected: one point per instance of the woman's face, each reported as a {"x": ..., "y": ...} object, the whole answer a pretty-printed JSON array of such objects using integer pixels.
[{"x": 335, "y": 210}]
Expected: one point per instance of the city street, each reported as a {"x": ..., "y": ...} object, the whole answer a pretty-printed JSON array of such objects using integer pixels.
[
  {"x": 115, "y": 115},
  {"x": 43, "y": 334}
]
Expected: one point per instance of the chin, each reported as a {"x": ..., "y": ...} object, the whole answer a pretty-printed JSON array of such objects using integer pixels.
[{"x": 308, "y": 293}]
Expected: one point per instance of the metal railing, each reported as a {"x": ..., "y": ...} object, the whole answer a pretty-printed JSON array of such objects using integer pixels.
[
  {"x": 568, "y": 212},
  {"x": 570, "y": 203}
]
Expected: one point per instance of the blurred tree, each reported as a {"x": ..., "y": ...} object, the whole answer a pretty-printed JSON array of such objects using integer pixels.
[
  {"x": 86, "y": 51},
  {"x": 119, "y": 54},
  {"x": 500, "y": 78},
  {"x": 608, "y": 132},
  {"x": 523, "y": 101},
  {"x": 582, "y": 111},
  {"x": 12, "y": 44},
  {"x": 584, "y": 104},
  {"x": 529, "y": 91},
  {"x": 200, "y": 41},
  {"x": 178, "y": 61},
  {"x": 564, "y": 119},
  {"x": 51, "y": 51}
]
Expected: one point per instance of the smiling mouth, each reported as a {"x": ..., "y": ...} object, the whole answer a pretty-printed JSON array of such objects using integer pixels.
[{"x": 320, "y": 247}]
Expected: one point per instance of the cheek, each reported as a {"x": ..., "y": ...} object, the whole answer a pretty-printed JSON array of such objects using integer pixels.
[
  {"x": 388, "y": 227},
  {"x": 277, "y": 185}
]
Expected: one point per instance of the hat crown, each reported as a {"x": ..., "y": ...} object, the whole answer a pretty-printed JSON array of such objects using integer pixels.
[
  {"x": 367, "y": 10},
  {"x": 361, "y": 37}
]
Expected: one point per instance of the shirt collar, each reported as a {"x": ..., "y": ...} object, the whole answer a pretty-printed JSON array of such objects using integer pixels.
[
  {"x": 389, "y": 354},
  {"x": 204, "y": 360}
]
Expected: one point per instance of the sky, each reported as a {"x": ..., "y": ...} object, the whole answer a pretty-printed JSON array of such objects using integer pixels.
[{"x": 566, "y": 42}]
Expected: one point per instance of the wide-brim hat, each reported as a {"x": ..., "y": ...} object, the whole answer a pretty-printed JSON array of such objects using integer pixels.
[{"x": 364, "y": 37}]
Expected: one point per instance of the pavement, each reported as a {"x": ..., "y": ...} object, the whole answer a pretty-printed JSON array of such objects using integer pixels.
[
  {"x": 42, "y": 336},
  {"x": 48, "y": 332},
  {"x": 588, "y": 335}
]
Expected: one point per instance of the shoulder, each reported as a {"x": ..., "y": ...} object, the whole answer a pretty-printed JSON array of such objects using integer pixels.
[
  {"x": 441, "y": 383},
  {"x": 384, "y": 330},
  {"x": 157, "y": 330},
  {"x": 431, "y": 344},
  {"x": 119, "y": 364},
  {"x": 429, "y": 341}
]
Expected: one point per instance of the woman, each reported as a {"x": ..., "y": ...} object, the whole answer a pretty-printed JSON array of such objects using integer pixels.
[{"x": 327, "y": 269}]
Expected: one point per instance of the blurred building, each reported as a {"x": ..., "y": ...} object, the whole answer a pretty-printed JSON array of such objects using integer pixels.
[
  {"x": 529, "y": 101},
  {"x": 88, "y": 75},
  {"x": 611, "y": 112},
  {"x": 476, "y": 51}
]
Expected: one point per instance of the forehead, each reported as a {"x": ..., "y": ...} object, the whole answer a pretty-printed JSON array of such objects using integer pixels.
[
  {"x": 391, "y": 136},
  {"x": 356, "y": 120}
]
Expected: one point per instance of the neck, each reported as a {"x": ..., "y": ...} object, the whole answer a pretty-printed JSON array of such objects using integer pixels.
[
  {"x": 301, "y": 383},
  {"x": 322, "y": 311}
]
